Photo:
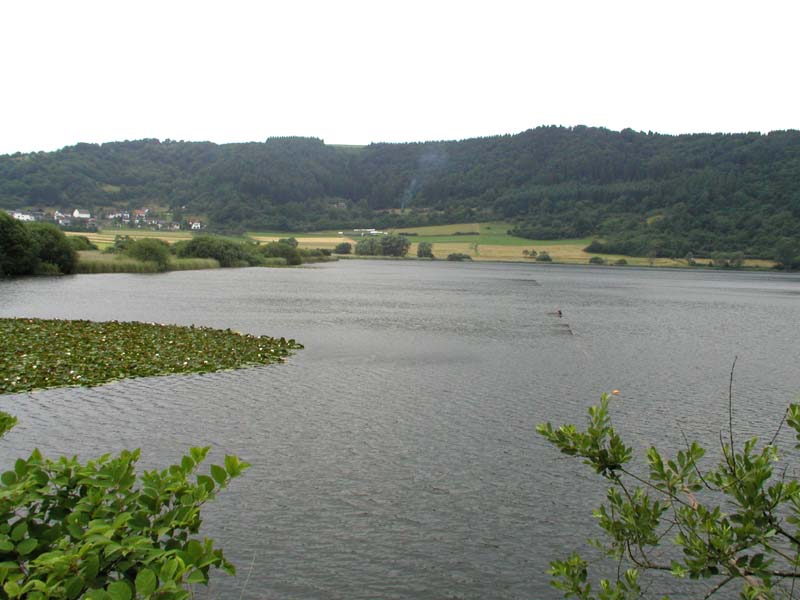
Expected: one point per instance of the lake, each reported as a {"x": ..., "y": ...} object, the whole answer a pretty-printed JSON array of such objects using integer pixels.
[{"x": 396, "y": 457}]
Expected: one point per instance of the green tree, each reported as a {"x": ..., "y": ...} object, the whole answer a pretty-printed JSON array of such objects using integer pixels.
[
  {"x": 53, "y": 247},
  {"x": 394, "y": 245},
  {"x": 226, "y": 252},
  {"x": 17, "y": 248},
  {"x": 289, "y": 242},
  {"x": 425, "y": 250},
  {"x": 787, "y": 253},
  {"x": 80, "y": 243},
  {"x": 343, "y": 248},
  {"x": 369, "y": 246},
  {"x": 150, "y": 250},
  {"x": 734, "y": 524},
  {"x": 282, "y": 250}
]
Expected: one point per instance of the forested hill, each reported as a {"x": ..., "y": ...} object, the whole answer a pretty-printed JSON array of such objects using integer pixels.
[{"x": 641, "y": 192}]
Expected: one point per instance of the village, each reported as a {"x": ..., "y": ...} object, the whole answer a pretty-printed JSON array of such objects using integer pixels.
[{"x": 84, "y": 220}]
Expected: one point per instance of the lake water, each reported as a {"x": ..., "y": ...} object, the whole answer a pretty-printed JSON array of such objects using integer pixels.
[{"x": 395, "y": 457}]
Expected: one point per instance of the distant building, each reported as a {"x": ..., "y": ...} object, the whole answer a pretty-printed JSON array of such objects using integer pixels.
[
  {"x": 21, "y": 216},
  {"x": 195, "y": 225},
  {"x": 81, "y": 214}
]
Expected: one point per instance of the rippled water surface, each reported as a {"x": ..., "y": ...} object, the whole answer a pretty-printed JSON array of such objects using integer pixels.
[{"x": 395, "y": 457}]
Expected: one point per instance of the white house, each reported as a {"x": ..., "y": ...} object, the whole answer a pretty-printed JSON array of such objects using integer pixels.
[
  {"x": 20, "y": 216},
  {"x": 81, "y": 214}
]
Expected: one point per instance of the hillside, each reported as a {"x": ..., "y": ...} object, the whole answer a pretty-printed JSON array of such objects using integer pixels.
[{"x": 640, "y": 192}]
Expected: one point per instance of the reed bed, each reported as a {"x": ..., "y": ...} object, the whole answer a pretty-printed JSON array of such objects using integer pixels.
[
  {"x": 190, "y": 264},
  {"x": 94, "y": 262},
  {"x": 97, "y": 262}
]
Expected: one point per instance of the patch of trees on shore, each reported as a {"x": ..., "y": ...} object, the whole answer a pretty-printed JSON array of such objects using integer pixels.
[
  {"x": 34, "y": 249},
  {"x": 646, "y": 192}
]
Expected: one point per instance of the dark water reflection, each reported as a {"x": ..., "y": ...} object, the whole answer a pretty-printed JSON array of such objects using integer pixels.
[{"x": 395, "y": 457}]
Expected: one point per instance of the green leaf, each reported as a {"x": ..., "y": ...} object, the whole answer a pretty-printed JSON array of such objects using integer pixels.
[
  {"x": 19, "y": 531},
  {"x": 90, "y": 567},
  {"x": 219, "y": 474},
  {"x": 168, "y": 570},
  {"x": 20, "y": 467},
  {"x": 146, "y": 582},
  {"x": 12, "y": 589},
  {"x": 120, "y": 590},
  {"x": 197, "y": 576},
  {"x": 73, "y": 587},
  {"x": 27, "y": 546},
  {"x": 6, "y": 545},
  {"x": 187, "y": 464},
  {"x": 195, "y": 550},
  {"x": 232, "y": 465},
  {"x": 206, "y": 482}
]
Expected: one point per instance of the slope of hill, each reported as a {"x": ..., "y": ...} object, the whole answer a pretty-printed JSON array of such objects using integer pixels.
[{"x": 641, "y": 193}]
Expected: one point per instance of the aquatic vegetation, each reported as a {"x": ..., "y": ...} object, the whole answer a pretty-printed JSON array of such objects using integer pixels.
[{"x": 40, "y": 353}]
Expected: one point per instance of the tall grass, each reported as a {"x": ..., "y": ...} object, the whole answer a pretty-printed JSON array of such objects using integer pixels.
[
  {"x": 97, "y": 262},
  {"x": 190, "y": 264},
  {"x": 274, "y": 261}
]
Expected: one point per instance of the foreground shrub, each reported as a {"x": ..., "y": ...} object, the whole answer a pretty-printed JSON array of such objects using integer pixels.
[
  {"x": 733, "y": 524},
  {"x": 597, "y": 260},
  {"x": 457, "y": 256},
  {"x": 100, "y": 531},
  {"x": 543, "y": 256},
  {"x": 343, "y": 248}
]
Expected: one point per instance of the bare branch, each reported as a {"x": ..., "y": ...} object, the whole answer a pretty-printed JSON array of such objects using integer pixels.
[
  {"x": 730, "y": 404},
  {"x": 718, "y": 587}
]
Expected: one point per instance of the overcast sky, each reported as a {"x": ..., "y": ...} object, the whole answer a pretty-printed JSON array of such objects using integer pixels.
[{"x": 359, "y": 72}]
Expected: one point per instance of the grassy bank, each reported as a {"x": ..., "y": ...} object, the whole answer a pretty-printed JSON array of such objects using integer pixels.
[{"x": 38, "y": 353}]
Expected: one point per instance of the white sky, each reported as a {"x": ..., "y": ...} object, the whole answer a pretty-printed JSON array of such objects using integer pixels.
[{"x": 354, "y": 72}]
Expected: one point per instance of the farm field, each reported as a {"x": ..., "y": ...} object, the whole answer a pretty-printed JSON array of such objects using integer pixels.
[
  {"x": 105, "y": 237},
  {"x": 327, "y": 240},
  {"x": 481, "y": 241}
]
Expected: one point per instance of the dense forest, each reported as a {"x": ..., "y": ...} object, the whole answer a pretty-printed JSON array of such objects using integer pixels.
[{"x": 640, "y": 193}]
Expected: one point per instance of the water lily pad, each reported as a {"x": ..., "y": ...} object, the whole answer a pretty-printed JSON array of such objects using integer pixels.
[{"x": 46, "y": 353}]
